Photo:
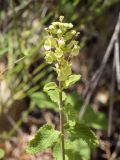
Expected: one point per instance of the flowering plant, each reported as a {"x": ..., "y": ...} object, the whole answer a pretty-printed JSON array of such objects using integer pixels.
[{"x": 60, "y": 47}]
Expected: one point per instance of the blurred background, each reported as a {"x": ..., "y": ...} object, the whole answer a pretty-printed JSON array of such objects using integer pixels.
[{"x": 23, "y": 72}]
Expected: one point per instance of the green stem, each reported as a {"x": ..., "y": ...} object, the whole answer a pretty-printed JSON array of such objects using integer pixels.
[{"x": 61, "y": 122}]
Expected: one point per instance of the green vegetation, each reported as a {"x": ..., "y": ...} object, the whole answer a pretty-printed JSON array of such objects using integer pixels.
[
  {"x": 48, "y": 72},
  {"x": 60, "y": 47},
  {"x": 2, "y": 154}
]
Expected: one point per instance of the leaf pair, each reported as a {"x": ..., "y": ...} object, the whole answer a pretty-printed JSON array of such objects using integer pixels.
[{"x": 46, "y": 137}]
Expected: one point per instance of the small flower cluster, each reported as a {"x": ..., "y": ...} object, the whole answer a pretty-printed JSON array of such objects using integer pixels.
[{"x": 60, "y": 47}]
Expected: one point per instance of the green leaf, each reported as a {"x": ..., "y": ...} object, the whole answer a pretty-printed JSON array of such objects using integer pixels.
[
  {"x": 81, "y": 131},
  {"x": 45, "y": 138},
  {"x": 64, "y": 71},
  {"x": 2, "y": 153},
  {"x": 54, "y": 95},
  {"x": 57, "y": 152},
  {"x": 42, "y": 100},
  {"x": 50, "y": 86},
  {"x": 69, "y": 35},
  {"x": 72, "y": 155},
  {"x": 70, "y": 112},
  {"x": 71, "y": 80},
  {"x": 71, "y": 99},
  {"x": 72, "y": 150},
  {"x": 79, "y": 150},
  {"x": 53, "y": 92},
  {"x": 98, "y": 120}
]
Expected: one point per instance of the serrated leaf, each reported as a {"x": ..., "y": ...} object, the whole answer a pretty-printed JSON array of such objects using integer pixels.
[
  {"x": 42, "y": 100},
  {"x": 98, "y": 120},
  {"x": 57, "y": 152},
  {"x": 53, "y": 92},
  {"x": 50, "y": 86},
  {"x": 72, "y": 155},
  {"x": 70, "y": 112},
  {"x": 64, "y": 71},
  {"x": 70, "y": 151},
  {"x": 79, "y": 148},
  {"x": 85, "y": 133},
  {"x": 2, "y": 153},
  {"x": 71, "y": 80},
  {"x": 54, "y": 95},
  {"x": 45, "y": 138}
]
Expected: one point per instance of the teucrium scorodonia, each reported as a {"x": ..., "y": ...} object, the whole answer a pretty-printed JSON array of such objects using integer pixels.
[{"x": 60, "y": 46}]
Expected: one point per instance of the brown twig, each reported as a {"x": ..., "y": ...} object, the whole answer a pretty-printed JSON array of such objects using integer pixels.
[
  {"x": 7, "y": 68},
  {"x": 13, "y": 123},
  {"x": 96, "y": 77},
  {"x": 117, "y": 62},
  {"x": 117, "y": 149},
  {"x": 111, "y": 102}
]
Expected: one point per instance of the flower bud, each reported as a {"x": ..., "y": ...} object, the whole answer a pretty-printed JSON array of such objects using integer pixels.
[
  {"x": 70, "y": 25},
  {"x": 55, "y": 23},
  {"x": 49, "y": 56},
  {"x": 61, "y": 42},
  {"x": 73, "y": 32},
  {"x": 58, "y": 53},
  {"x": 51, "y": 27},
  {"x": 75, "y": 50},
  {"x": 47, "y": 45},
  {"x": 61, "y": 18},
  {"x": 59, "y": 31}
]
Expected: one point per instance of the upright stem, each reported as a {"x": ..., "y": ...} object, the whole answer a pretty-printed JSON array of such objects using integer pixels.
[{"x": 61, "y": 122}]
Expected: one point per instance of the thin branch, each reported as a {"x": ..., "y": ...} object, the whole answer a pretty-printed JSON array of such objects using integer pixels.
[
  {"x": 96, "y": 77},
  {"x": 117, "y": 62},
  {"x": 13, "y": 124},
  {"x": 112, "y": 87},
  {"x": 117, "y": 149},
  {"x": 7, "y": 68}
]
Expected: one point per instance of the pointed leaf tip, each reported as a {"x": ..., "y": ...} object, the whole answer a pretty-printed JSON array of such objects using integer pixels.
[
  {"x": 50, "y": 86},
  {"x": 71, "y": 80}
]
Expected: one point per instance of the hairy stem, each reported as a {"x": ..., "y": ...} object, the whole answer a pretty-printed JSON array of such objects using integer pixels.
[{"x": 61, "y": 122}]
